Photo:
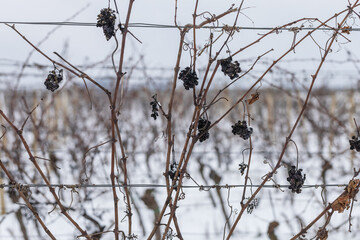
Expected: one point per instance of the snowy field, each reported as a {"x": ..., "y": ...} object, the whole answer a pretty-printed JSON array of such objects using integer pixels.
[{"x": 68, "y": 128}]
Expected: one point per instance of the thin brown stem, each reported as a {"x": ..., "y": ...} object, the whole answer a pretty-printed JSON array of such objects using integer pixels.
[
  {"x": 232, "y": 82},
  {"x": 59, "y": 64},
  {"x": 231, "y": 32},
  {"x": 3, "y": 134},
  {"x": 249, "y": 160},
  {"x": 46, "y": 180},
  {"x": 194, "y": 34},
  {"x": 169, "y": 134},
  {"x": 28, "y": 204},
  {"x": 269, "y": 175},
  {"x": 169, "y": 113},
  {"x": 119, "y": 78},
  {"x": 124, "y": 168}
]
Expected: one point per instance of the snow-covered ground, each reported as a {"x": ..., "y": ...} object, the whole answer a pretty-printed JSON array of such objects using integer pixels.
[{"x": 67, "y": 128}]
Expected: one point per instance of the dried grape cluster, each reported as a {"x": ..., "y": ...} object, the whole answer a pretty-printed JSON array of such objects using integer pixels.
[
  {"x": 170, "y": 235},
  {"x": 132, "y": 237},
  {"x": 172, "y": 171},
  {"x": 53, "y": 79},
  {"x": 242, "y": 168},
  {"x": 203, "y": 127},
  {"x": 296, "y": 179},
  {"x": 106, "y": 20},
  {"x": 252, "y": 205},
  {"x": 155, "y": 110},
  {"x": 322, "y": 234},
  {"x": 189, "y": 77},
  {"x": 240, "y": 128},
  {"x": 229, "y": 68},
  {"x": 355, "y": 143}
]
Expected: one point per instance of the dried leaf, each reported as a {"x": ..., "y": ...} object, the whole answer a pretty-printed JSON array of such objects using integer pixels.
[
  {"x": 271, "y": 230},
  {"x": 254, "y": 98},
  {"x": 149, "y": 199},
  {"x": 353, "y": 187},
  {"x": 342, "y": 203},
  {"x": 346, "y": 30}
]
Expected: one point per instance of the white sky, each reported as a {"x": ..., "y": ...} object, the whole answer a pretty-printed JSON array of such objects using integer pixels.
[{"x": 159, "y": 48}]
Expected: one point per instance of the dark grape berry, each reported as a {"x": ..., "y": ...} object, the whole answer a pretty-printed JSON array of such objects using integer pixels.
[
  {"x": 106, "y": 20},
  {"x": 229, "y": 68},
  {"x": 296, "y": 179},
  {"x": 203, "y": 126},
  {"x": 240, "y": 128},
  {"x": 172, "y": 171},
  {"x": 204, "y": 136},
  {"x": 189, "y": 77},
  {"x": 155, "y": 110},
  {"x": 355, "y": 143},
  {"x": 242, "y": 167},
  {"x": 53, "y": 79}
]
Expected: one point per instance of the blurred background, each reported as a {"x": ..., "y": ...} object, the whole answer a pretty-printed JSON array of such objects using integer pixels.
[{"x": 68, "y": 123}]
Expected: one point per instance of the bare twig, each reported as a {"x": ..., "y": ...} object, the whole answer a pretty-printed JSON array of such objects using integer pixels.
[
  {"x": 32, "y": 159},
  {"x": 270, "y": 174},
  {"x": 26, "y": 200}
]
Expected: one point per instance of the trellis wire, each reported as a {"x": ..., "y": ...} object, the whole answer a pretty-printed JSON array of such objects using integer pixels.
[
  {"x": 154, "y": 25},
  {"x": 142, "y": 185}
]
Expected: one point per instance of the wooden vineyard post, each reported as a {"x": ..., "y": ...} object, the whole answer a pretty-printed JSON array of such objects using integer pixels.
[
  {"x": 333, "y": 106},
  {"x": 2, "y": 197},
  {"x": 270, "y": 113},
  {"x": 352, "y": 124},
  {"x": 289, "y": 105}
]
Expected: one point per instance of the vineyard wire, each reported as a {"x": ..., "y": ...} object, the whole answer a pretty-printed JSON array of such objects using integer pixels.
[
  {"x": 201, "y": 187},
  {"x": 165, "y": 26}
]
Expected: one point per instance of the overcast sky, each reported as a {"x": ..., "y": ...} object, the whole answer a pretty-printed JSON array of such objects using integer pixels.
[{"x": 159, "y": 46}]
